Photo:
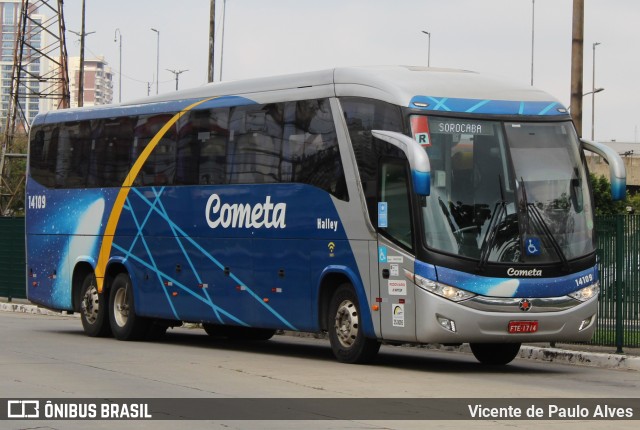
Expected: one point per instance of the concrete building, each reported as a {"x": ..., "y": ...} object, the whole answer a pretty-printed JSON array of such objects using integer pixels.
[
  {"x": 98, "y": 81},
  {"x": 630, "y": 153}
]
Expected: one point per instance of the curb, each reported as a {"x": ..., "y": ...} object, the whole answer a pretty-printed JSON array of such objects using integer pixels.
[
  {"x": 30, "y": 309},
  {"x": 527, "y": 352},
  {"x": 594, "y": 359}
]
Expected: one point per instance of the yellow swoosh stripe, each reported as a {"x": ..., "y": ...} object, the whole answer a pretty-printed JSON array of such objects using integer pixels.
[{"x": 116, "y": 210}]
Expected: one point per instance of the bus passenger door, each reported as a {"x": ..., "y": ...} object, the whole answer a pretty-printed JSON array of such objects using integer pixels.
[{"x": 395, "y": 245}]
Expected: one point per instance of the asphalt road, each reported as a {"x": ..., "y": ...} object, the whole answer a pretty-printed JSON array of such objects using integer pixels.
[{"x": 50, "y": 357}]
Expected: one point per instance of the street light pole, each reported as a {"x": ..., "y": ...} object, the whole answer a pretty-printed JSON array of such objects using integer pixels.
[
  {"x": 533, "y": 29},
  {"x": 428, "y": 48},
  {"x": 177, "y": 74},
  {"x": 593, "y": 93},
  {"x": 157, "y": 59},
  {"x": 115, "y": 38}
]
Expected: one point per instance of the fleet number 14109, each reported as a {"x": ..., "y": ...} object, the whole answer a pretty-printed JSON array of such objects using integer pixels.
[
  {"x": 37, "y": 202},
  {"x": 584, "y": 280}
]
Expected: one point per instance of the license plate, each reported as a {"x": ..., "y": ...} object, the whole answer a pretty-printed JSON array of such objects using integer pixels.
[{"x": 523, "y": 326}]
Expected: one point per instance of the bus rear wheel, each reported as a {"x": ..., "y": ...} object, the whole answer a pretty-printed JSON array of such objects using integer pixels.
[
  {"x": 495, "y": 354},
  {"x": 348, "y": 342},
  {"x": 125, "y": 324},
  {"x": 93, "y": 309}
]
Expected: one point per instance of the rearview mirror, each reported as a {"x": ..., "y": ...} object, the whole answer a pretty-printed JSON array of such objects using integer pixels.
[
  {"x": 417, "y": 156},
  {"x": 617, "y": 171}
]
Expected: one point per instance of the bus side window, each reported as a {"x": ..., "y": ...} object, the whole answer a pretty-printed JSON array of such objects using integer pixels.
[
  {"x": 363, "y": 115},
  {"x": 255, "y": 144},
  {"x": 314, "y": 150},
  {"x": 201, "y": 147},
  {"x": 159, "y": 167},
  {"x": 40, "y": 162},
  {"x": 394, "y": 190},
  {"x": 79, "y": 135}
]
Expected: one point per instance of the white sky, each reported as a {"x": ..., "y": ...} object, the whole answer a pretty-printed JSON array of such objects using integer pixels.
[{"x": 266, "y": 37}]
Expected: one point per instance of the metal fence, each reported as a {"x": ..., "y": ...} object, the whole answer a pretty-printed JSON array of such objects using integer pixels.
[
  {"x": 619, "y": 263},
  {"x": 618, "y": 260},
  {"x": 12, "y": 258}
]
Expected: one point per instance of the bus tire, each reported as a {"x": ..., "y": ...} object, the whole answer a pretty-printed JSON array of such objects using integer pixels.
[
  {"x": 93, "y": 309},
  {"x": 348, "y": 342},
  {"x": 495, "y": 354},
  {"x": 125, "y": 324}
]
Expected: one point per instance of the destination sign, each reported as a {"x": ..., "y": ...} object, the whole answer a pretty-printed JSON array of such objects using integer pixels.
[{"x": 455, "y": 126}]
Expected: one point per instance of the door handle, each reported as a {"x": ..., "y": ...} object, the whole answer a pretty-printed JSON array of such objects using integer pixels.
[{"x": 385, "y": 273}]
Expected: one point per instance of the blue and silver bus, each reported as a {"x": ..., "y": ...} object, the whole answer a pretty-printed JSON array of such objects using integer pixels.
[{"x": 377, "y": 204}]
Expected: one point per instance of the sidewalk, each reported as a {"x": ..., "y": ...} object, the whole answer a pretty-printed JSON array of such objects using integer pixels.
[{"x": 575, "y": 354}]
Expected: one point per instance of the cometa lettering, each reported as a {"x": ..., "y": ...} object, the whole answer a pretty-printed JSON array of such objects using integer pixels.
[
  {"x": 237, "y": 215},
  {"x": 524, "y": 272}
]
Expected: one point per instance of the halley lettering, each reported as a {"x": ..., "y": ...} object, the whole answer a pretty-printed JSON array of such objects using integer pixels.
[{"x": 265, "y": 214}]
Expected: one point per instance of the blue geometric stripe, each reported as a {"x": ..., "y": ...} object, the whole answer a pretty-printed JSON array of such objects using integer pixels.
[
  {"x": 153, "y": 265},
  {"x": 186, "y": 255},
  {"x": 183, "y": 287},
  {"x": 488, "y": 107},
  {"x": 183, "y": 234}
]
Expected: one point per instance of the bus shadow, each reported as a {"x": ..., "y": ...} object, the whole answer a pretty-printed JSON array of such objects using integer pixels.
[
  {"x": 401, "y": 357},
  {"x": 309, "y": 348}
]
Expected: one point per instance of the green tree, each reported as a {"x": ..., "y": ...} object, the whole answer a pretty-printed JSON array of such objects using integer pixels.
[
  {"x": 634, "y": 202},
  {"x": 604, "y": 204}
]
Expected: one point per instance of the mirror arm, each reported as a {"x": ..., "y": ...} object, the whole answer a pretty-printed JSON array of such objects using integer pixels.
[{"x": 617, "y": 171}]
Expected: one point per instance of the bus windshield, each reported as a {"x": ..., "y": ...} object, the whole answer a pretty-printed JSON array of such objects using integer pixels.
[{"x": 505, "y": 191}]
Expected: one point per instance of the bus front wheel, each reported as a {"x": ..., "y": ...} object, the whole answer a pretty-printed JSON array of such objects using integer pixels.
[
  {"x": 348, "y": 341},
  {"x": 496, "y": 354},
  {"x": 93, "y": 309},
  {"x": 125, "y": 324}
]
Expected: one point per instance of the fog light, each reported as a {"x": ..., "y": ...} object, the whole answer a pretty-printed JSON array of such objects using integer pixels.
[
  {"x": 446, "y": 323},
  {"x": 587, "y": 322}
]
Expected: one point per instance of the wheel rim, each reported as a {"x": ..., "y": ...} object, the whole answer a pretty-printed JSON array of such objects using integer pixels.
[
  {"x": 121, "y": 307},
  {"x": 346, "y": 324},
  {"x": 91, "y": 304}
]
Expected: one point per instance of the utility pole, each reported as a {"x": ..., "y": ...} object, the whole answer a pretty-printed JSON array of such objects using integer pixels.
[
  {"x": 577, "y": 65},
  {"x": 212, "y": 38},
  {"x": 82, "y": 36},
  {"x": 177, "y": 74}
]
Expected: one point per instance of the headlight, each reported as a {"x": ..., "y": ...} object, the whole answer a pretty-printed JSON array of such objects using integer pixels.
[
  {"x": 447, "y": 291},
  {"x": 587, "y": 292}
]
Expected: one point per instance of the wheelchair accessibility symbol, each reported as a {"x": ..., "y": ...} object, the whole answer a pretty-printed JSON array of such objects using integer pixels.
[{"x": 532, "y": 246}]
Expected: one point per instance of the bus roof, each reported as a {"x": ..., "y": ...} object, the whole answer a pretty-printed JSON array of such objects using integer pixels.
[{"x": 431, "y": 89}]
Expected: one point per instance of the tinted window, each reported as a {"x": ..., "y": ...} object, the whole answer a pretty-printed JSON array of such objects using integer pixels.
[
  {"x": 256, "y": 144},
  {"x": 394, "y": 190},
  {"x": 43, "y": 148},
  {"x": 362, "y": 116},
  {"x": 160, "y": 166}
]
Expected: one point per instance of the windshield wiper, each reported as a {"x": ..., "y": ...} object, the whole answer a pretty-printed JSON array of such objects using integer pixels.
[
  {"x": 539, "y": 224},
  {"x": 499, "y": 211}
]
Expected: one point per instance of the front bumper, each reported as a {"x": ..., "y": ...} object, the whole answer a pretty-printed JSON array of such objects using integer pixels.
[{"x": 482, "y": 326}]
